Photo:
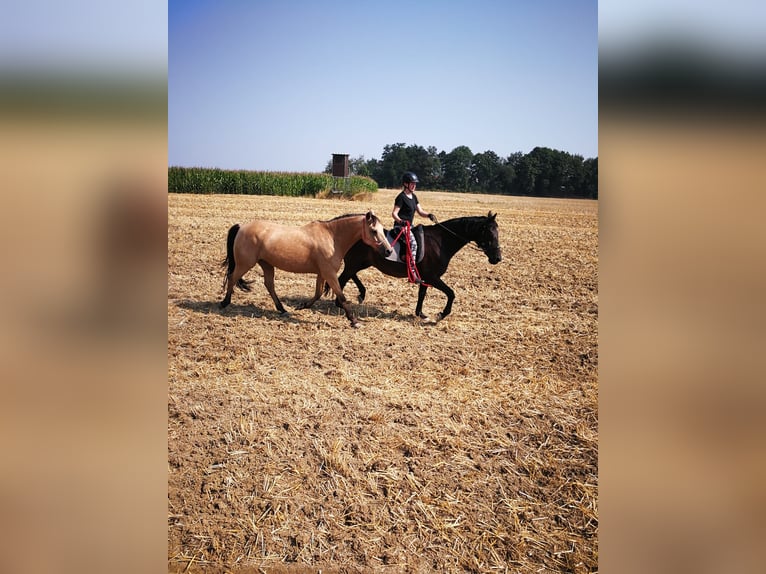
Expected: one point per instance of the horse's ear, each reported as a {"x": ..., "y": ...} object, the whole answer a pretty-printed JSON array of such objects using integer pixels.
[
  {"x": 491, "y": 216},
  {"x": 370, "y": 217}
]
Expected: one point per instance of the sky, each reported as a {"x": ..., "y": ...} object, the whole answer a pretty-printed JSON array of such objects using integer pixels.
[{"x": 282, "y": 85}]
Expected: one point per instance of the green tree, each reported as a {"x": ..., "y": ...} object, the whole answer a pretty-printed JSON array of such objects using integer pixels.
[
  {"x": 457, "y": 169},
  {"x": 394, "y": 163},
  {"x": 526, "y": 174},
  {"x": 574, "y": 176},
  {"x": 358, "y": 166},
  {"x": 373, "y": 167},
  {"x": 426, "y": 164},
  {"x": 485, "y": 171},
  {"x": 542, "y": 172},
  {"x": 435, "y": 174},
  {"x": 545, "y": 172},
  {"x": 590, "y": 179},
  {"x": 506, "y": 175}
]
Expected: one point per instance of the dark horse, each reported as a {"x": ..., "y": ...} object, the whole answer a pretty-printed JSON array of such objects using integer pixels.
[{"x": 441, "y": 241}]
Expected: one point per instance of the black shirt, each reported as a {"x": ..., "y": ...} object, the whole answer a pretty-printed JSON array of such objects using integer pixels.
[{"x": 407, "y": 206}]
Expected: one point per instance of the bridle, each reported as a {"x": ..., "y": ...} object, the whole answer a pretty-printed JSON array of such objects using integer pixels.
[
  {"x": 468, "y": 242},
  {"x": 371, "y": 232}
]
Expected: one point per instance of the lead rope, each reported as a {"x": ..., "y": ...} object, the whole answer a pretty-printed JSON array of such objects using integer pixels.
[{"x": 412, "y": 269}]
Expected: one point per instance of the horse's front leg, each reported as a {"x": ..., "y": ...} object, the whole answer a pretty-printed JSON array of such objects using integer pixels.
[
  {"x": 444, "y": 288},
  {"x": 421, "y": 297},
  {"x": 268, "y": 280},
  {"x": 317, "y": 294},
  {"x": 340, "y": 298}
]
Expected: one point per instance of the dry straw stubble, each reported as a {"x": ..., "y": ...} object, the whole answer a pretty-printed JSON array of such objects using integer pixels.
[{"x": 297, "y": 443}]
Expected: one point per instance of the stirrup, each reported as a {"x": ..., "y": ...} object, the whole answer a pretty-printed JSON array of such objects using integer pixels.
[{"x": 413, "y": 276}]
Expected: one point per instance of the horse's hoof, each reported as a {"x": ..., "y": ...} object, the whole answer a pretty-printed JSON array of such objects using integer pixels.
[
  {"x": 356, "y": 325},
  {"x": 223, "y": 304}
]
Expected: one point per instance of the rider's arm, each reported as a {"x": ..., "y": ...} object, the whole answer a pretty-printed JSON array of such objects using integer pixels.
[
  {"x": 395, "y": 214},
  {"x": 421, "y": 212}
]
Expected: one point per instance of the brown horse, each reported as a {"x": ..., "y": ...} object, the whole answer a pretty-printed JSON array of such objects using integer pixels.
[{"x": 317, "y": 247}]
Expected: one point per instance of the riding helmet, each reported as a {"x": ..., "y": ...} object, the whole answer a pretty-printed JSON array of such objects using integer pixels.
[{"x": 409, "y": 177}]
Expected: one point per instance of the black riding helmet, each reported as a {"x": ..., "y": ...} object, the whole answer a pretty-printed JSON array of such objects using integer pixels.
[{"x": 409, "y": 177}]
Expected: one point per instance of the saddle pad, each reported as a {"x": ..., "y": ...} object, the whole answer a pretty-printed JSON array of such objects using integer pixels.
[{"x": 397, "y": 246}]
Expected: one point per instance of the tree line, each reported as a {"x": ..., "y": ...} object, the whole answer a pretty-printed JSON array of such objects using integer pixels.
[{"x": 543, "y": 172}]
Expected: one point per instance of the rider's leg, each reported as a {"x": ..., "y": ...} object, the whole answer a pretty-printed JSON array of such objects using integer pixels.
[{"x": 413, "y": 270}]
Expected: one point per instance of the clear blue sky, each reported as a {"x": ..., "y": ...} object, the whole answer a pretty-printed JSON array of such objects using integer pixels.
[{"x": 282, "y": 85}]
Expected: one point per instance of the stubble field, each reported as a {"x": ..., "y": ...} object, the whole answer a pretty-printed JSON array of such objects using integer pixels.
[{"x": 299, "y": 444}]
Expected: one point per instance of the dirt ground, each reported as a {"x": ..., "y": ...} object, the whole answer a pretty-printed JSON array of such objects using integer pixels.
[{"x": 299, "y": 444}]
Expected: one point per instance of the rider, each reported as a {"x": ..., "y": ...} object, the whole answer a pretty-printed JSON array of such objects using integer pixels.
[{"x": 405, "y": 206}]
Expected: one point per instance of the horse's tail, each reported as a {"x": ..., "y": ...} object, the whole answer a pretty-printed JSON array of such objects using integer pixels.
[{"x": 229, "y": 262}]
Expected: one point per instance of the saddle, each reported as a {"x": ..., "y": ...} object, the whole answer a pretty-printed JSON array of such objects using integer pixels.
[{"x": 417, "y": 231}]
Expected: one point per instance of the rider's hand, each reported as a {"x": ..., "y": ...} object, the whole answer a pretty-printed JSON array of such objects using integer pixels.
[{"x": 432, "y": 217}]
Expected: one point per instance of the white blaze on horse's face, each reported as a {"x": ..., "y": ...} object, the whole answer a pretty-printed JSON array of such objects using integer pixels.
[{"x": 377, "y": 233}]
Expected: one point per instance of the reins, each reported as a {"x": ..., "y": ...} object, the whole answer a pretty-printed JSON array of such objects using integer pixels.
[{"x": 468, "y": 242}]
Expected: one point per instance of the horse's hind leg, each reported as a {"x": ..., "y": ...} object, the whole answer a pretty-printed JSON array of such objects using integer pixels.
[
  {"x": 230, "y": 264},
  {"x": 344, "y": 277},
  {"x": 317, "y": 294},
  {"x": 360, "y": 287},
  {"x": 231, "y": 282},
  {"x": 268, "y": 281},
  {"x": 229, "y": 290}
]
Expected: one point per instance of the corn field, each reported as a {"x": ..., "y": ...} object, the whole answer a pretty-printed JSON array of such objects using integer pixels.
[{"x": 242, "y": 182}]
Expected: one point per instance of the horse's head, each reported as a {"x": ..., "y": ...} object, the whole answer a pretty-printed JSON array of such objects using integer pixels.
[
  {"x": 374, "y": 235},
  {"x": 489, "y": 240}
]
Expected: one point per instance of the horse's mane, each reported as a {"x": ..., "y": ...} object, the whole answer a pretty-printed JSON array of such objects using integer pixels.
[
  {"x": 351, "y": 215},
  {"x": 344, "y": 216},
  {"x": 471, "y": 222}
]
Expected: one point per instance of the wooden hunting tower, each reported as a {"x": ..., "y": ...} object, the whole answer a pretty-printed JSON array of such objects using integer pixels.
[
  {"x": 340, "y": 165},
  {"x": 340, "y": 181}
]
